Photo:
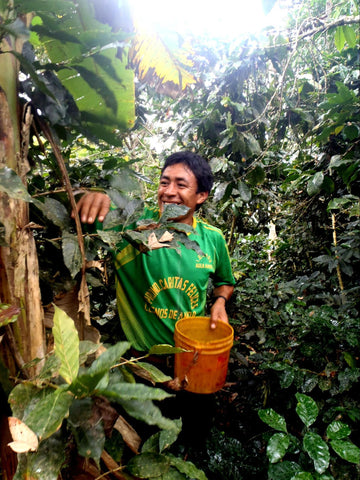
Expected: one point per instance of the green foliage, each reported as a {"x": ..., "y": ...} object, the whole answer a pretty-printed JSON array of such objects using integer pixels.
[
  {"x": 278, "y": 118},
  {"x": 86, "y": 83},
  {"x": 67, "y": 415},
  {"x": 313, "y": 444}
]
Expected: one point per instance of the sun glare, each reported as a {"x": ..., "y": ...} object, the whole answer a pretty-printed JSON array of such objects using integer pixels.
[{"x": 225, "y": 19}]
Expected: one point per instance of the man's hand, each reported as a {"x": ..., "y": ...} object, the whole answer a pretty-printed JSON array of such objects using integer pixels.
[
  {"x": 92, "y": 205},
  {"x": 218, "y": 310}
]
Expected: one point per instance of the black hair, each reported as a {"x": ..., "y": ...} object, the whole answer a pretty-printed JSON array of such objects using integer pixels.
[{"x": 197, "y": 164}]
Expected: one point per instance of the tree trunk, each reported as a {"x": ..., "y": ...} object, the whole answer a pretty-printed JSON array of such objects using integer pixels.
[{"x": 19, "y": 273}]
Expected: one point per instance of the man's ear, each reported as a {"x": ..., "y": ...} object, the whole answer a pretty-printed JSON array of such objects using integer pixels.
[{"x": 202, "y": 196}]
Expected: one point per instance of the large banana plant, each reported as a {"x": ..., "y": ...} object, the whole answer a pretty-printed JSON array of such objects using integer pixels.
[{"x": 94, "y": 49}]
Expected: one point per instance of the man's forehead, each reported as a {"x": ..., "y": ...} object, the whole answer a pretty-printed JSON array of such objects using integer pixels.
[{"x": 179, "y": 171}]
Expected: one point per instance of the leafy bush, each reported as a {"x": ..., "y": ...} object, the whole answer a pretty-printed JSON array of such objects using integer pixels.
[
  {"x": 75, "y": 404},
  {"x": 311, "y": 449}
]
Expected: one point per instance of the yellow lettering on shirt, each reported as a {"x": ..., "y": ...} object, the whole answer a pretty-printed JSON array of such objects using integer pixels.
[{"x": 177, "y": 283}]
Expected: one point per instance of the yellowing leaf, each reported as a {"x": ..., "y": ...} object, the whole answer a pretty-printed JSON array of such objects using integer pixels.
[
  {"x": 158, "y": 65},
  {"x": 24, "y": 439},
  {"x": 66, "y": 341}
]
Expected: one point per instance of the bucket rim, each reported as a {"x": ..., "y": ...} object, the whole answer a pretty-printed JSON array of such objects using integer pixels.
[{"x": 227, "y": 340}]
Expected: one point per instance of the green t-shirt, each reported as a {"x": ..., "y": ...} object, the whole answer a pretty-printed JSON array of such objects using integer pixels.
[{"x": 155, "y": 290}]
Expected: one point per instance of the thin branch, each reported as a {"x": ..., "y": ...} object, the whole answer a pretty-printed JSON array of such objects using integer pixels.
[
  {"x": 83, "y": 292},
  {"x": 327, "y": 26}
]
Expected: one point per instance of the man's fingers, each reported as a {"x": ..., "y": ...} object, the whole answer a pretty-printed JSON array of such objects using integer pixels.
[{"x": 92, "y": 205}]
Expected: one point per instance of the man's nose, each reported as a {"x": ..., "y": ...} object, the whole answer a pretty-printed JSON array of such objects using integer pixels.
[{"x": 171, "y": 189}]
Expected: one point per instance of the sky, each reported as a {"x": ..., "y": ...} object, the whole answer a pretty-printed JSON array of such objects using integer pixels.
[{"x": 223, "y": 19}]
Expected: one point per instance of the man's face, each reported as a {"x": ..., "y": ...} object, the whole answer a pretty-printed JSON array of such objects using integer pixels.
[{"x": 178, "y": 185}]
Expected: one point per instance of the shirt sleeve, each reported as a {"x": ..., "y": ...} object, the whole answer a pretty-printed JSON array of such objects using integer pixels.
[{"x": 223, "y": 273}]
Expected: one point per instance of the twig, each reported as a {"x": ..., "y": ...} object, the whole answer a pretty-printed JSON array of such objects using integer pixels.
[
  {"x": 112, "y": 465},
  {"x": 83, "y": 297}
]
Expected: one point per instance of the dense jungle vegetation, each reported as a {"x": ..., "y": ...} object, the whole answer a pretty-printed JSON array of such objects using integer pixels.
[{"x": 92, "y": 103}]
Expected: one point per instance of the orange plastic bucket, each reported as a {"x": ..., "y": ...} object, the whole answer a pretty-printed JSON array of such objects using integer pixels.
[{"x": 204, "y": 367}]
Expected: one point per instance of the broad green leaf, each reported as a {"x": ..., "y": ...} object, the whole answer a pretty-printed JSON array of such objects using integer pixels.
[
  {"x": 273, "y": 419},
  {"x": 12, "y": 185},
  {"x": 220, "y": 191},
  {"x": 87, "y": 428},
  {"x": 49, "y": 413},
  {"x": 277, "y": 447},
  {"x": 56, "y": 212},
  {"x": 342, "y": 202},
  {"x": 302, "y": 476},
  {"x": 168, "y": 437},
  {"x": 127, "y": 181},
  {"x": 21, "y": 397},
  {"x": 179, "y": 227},
  {"x": 164, "y": 350},
  {"x": 85, "y": 384},
  {"x": 339, "y": 38},
  {"x": 350, "y": 35},
  {"x": 187, "y": 468},
  {"x": 345, "y": 96},
  {"x": 147, "y": 412},
  {"x": 252, "y": 145},
  {"x": 173, "y": 474},
  {"x": 162, "y": 440},
  {"x": 256, "y": 176},
  {"x": 351, "y": 132},
  {"x": 86, "y": 348},
  {"x": 350, "y": 359},
  {"x": 110, "y": 237},
  {"x": 66, "y": 340},
  {"x": 307, "y": 409},
  {"x": 147, "y": 465},
  {"x": 283, "y": 470},
  {"x": 50, "y": 369},
  {"x": 149, "y": 372},
  {"x": 104, "y": 92},
  {"x": 245, "y": 192},
  {"x": 134, "y": 391},
  {"x": 338, "y": 430},
  {"x": 110, "y": 357},
  {"x": 173, "y": 211},
  {"x": 337, "y": 161},
  {"x": 71, "y": 253},
  {"x": 318, "y": 451},
  {"x": 184, "y": 240},
  {"x": 315, "y": 183},
  {"x": 114, "y": 219},
  {"x": 346, "y": 450}
]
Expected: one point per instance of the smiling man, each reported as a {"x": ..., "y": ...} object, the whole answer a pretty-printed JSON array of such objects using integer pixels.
[{"x": 155, "y": 290}]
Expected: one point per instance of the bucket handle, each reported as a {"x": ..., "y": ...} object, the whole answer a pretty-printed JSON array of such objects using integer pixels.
[{"x": 185, "y": 382}]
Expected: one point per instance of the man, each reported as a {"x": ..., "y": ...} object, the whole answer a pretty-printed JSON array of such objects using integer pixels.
[{"x": 157, "y": 289}]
